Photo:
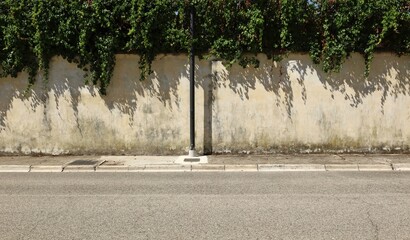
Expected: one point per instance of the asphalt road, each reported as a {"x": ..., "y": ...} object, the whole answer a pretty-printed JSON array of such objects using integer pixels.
[{"x": 304, "y": 205}]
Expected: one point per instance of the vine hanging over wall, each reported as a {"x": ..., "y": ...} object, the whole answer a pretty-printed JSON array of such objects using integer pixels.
[{"x": 91, "y": 32}]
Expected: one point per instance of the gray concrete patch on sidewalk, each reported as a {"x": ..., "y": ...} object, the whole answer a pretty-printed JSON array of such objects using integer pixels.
[
  {"x": 191, "y": 160},
  {"x": 241, "y": 168},
  {"x": 208, "y": 168},
  {"x": 46, "y": 168},
  {"x": 290, "y": 167},
  {"x": 14, "y": 168},
  {"x": 374, "y": 167},
  {"x": 82, "y": 166},
  {"x": 341, "y": 167},
  {"x": 401, "y": 166},
  {"x": 167, "y": 168}
]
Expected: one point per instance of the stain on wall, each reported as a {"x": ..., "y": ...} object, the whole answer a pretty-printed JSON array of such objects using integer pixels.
[{"x": 286, "y": 106}]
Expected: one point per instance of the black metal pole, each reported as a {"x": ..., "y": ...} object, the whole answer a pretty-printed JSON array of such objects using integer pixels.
[{"x": 192, "y": 82}]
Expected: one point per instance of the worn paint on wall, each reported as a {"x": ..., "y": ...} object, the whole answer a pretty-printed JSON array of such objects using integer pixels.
[{"x": 289, "y": 106}]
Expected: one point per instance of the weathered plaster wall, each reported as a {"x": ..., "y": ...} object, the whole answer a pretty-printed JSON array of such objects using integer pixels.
[
  {"x": 293, "y": 106},
  {"x": 281, "y": 106},
  {"x": 67, "y": 116}
]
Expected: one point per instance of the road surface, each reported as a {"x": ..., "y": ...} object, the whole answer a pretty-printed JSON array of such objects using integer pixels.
[{"x": 283, "y": 205}]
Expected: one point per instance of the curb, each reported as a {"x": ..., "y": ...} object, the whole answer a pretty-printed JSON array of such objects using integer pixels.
[
  {"x": 136, "y": 168},
  {"x": 374, "y": 167},
  {"x": 208, "y": 168},
  {"x": 290, "y": 167},
  {"x": 46, "y": 168},
  {"x": 167, "y": 168},
  {"x": 401, "y": 166},
  {"x": 241, "y": 168},
  {"x": 99, "y": 167},
  {"x": 79, "y": 169},
  {"x": 14, "y": 168},
  {"x": 342, "y": 167},
  {"x": 112, "y": 168}
]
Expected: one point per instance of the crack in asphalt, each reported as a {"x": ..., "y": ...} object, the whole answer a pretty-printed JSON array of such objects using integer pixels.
[{"x": 375, "y": 227}]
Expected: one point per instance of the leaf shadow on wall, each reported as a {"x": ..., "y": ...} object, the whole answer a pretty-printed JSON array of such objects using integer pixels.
[
  {"x": 387, "y": 75},
  {"x": 8, "y": 92},
  {"x": 127, "y": 92},
  {"x": 17, "y": 88},
  {"x": 273, "y": 76}
]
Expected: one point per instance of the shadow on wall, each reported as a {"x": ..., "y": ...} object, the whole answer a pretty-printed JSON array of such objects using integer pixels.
[
  {"x": 126, "y": 90},
  {"x": 8, "y": 92},
  {"x": 127, "y": 93},
  {"x": 273, "y": 76},
  {"x": 123, "y": 93},
  {"x": 17, "y": 88},
  {"x": 386, "y": 76},
  {"x": 60, "y": 106},
  {"x": 64, "y": 80}
]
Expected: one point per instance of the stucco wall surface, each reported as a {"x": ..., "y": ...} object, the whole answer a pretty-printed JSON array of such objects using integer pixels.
[{"x": 286, "y": 106}]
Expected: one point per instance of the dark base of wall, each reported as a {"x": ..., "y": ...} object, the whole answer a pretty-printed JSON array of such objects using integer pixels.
[{"x": 227, "y": 151}]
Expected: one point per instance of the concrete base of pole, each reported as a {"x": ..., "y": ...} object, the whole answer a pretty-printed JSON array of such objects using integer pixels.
[
  {"x": 192, "y": 153},
  {"x": 192, "y": 158}
]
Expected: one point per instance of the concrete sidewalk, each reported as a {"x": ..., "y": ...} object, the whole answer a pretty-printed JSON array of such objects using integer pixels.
[{"x": 216, "y": 163}]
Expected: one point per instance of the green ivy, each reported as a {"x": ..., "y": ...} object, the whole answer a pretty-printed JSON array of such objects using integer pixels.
[{"x": 91, "y": 32}]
